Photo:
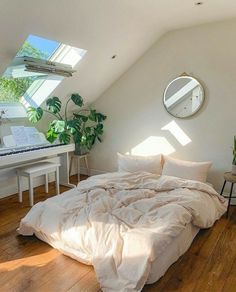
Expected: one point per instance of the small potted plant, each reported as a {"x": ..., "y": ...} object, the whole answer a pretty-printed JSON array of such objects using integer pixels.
[
  {"x": 84, "y": 127},
  {"x": 234, "y": 157}
]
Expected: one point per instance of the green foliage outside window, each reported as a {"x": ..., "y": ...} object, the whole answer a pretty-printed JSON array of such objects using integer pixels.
[
  {"x": 12, "y": 89},
  {"x": 30, "y": 51}
]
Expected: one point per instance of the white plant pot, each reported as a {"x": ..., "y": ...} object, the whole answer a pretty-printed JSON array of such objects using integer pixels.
[{"x": 233, "y": 169}]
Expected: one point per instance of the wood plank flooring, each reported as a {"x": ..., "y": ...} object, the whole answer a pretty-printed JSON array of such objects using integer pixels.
[{"x": 28, "y": 264}]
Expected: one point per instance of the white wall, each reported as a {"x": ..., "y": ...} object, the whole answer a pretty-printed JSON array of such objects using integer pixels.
[{"x": 134, "y": 106}]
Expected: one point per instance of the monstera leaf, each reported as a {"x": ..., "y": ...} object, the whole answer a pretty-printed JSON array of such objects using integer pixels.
[
  {"x": 34, "y": 114},
  {"x": 54, "y": 104},
  {"x": 98, "y": 130},
  {"x": 81, "y": 117},
  {"x": 96, "y": 117},
  {"x": 77, "y": 137},
  {"x": 58, "y": 126},
  {"x": 73, "y": 125},
  {"x": 51, "y": 135},
  {"x": 90, "y": 140},
  {"x": 64, "y": 137},
  {"x": 88, "y": 130},
  {"x": 100, "y": 117},
  {"x": 92, "y": 115},
  {"x": 77, "y": 99}
]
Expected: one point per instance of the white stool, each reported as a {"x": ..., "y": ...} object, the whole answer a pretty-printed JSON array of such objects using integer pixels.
[
  {"x": 78, "y": 157},
  {"x": 34, "y": 170}
]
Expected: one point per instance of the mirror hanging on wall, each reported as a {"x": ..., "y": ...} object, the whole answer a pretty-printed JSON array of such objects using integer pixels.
[{"x": 183, "y": 97}]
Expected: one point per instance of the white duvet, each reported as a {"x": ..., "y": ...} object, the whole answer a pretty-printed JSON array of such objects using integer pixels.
[{"x": 121, "y": 222}]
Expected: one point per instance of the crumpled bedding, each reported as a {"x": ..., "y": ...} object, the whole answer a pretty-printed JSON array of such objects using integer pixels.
[{"x": 121, "y": 222}]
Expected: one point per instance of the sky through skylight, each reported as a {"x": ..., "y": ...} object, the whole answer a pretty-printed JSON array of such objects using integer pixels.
[{"x": 40, "y": 45}]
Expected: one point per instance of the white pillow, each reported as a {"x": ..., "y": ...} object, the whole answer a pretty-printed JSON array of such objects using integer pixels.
[
  {"x": 186, "y": 169},
  {"x": 132, "y": 163}
]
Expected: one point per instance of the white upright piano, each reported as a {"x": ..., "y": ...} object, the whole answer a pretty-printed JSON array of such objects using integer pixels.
[{"x": 13, "y": 156}]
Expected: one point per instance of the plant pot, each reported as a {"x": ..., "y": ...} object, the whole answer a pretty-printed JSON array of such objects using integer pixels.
[
  {"x": 80, "y": 150},
  {"x": 233, "y": 169}
]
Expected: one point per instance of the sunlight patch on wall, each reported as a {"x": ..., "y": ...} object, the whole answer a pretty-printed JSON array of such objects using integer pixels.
[
  {"x": 153, "y": 145},
  {"x": 178, "y": 133}
]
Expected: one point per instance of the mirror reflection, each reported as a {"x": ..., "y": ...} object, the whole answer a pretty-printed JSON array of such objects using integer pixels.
[{"x": 183, "y": 97}]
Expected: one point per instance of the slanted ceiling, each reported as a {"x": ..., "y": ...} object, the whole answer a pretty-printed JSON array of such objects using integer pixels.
[{"x": 126, "y": 28}]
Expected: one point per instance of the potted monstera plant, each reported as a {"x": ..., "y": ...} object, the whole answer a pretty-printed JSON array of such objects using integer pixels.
[
  {"x": 234, "y": 157},
  {"x": 84, "y": 127}
]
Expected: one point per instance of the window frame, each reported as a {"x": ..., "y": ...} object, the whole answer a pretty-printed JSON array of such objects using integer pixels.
[{"x": 19, "y": 109}]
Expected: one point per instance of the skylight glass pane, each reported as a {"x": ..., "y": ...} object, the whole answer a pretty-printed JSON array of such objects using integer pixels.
[
  {"x": 31, "y": 88},
  {"x": 13, "y": 87},
  {"x": 38, "y": 47}
]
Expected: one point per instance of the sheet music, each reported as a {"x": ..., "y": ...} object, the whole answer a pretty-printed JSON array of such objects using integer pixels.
[
  {"x": 33, "y": 136},
  {"x": 26, "y": 135},
  {"x": 19, "y": 135}
]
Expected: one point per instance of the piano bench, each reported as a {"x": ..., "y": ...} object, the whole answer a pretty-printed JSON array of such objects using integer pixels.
[{"x": 34, "y": 170}]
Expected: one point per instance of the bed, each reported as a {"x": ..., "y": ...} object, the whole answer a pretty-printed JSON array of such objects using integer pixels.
[
  {"x": 130, "y": 226},
  {"x": 178, "y": 246}
]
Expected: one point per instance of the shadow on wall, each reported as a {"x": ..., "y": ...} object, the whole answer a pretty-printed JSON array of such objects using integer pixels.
[{"x": 154, "y": 145}]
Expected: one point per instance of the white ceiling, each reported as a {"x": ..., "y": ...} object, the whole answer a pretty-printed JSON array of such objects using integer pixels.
[{"x": 126, "y": 28}]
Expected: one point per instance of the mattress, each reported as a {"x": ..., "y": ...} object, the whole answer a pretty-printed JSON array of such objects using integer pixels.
[{"x": 173, "y": 251}]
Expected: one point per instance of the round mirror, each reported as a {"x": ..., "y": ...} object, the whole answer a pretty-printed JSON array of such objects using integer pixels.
[{"x": 183, "y": 97}]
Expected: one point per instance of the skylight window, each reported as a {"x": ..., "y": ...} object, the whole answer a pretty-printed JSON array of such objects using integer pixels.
[{"x": 22, "y": 86}]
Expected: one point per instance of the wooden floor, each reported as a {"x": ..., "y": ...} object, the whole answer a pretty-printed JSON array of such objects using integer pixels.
[{"x": 28, "y": 264}]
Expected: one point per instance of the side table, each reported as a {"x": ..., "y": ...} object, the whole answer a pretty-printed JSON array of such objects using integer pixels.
[
  {"x": 229, "y": 177},
  {"x": 78, "y": 158}
]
